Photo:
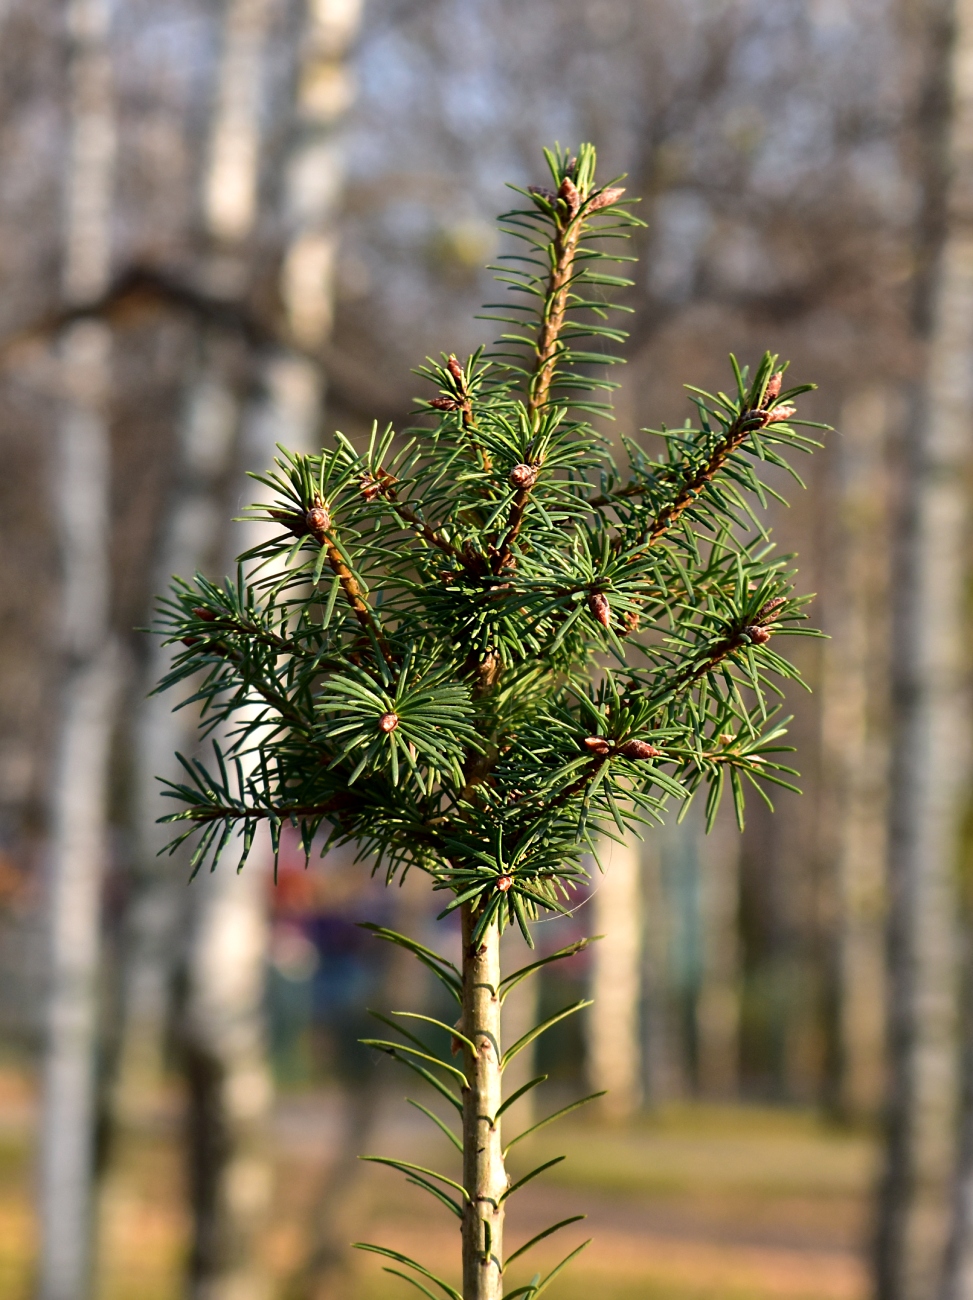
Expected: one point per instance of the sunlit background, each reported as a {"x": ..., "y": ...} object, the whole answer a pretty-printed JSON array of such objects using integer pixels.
[{"x": 230, "y": 223}]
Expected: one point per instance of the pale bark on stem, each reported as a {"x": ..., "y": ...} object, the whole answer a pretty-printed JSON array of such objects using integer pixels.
[{"x": 484, "y": 1174}]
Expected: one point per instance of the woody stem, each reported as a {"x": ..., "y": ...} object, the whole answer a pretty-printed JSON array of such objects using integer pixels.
[{"x": 484, "y": 1174}]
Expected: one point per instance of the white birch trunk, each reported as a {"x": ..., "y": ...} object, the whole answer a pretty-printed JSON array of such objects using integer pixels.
[
  {"x": 197, "y": 509},
  {"x": 855, "y": 752},
  {"x": 930, "y": 764},
  {"x": 221, "y": 1030},
  {"x": 79, "y": 792},
  {"x": 614, "y": 1040}
]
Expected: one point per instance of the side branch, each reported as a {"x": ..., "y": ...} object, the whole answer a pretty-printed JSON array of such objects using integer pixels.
[
  {"x": 383, "y": 484},
  {"x": 317, "y": 522},
  {"x": 694, "y": 483}
]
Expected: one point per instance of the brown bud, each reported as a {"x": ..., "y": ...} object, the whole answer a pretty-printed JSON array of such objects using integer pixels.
[
  {"x": 318, "y": 520},
  {"x": 523, "y": 476},
  {"x": 638, "y": 749},
  {"x": 569, "y": 193},
  {"x": 597, "y": 744},
  {"x": 766, "y": 613},
  {"x": 542, "y": 193},
  {"x": 370, "y": 487},
  {"x": 190, "y": 640},
  {"x": 758, "y": 635},
  {"x": 630, "y": 623},
  {"x": 388, "y": 722},
  {"x": 206, "y": 615},
  {"x": 488, "y": 671},
  {"x": 727, "y": 738},
  {"x": 445, "y": 403},
  {"x": 605, "y": 198},
  {"x": 456, "y": 370},
  {"x": 780, "y": 414},
  {"x": 772, "y": 391},
  {"x": 599, "y": 606},
  {"x": 504, "y": 883}
]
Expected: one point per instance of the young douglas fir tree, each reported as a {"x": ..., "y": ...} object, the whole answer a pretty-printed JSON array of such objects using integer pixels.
[{"x": 475, "y": 650}]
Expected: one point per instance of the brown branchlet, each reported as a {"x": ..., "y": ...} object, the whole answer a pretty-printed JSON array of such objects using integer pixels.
[
  {"x": 600, "y": 608},
  {"x": 294, "y": 523},
  {"x": 388, "y": 722}
]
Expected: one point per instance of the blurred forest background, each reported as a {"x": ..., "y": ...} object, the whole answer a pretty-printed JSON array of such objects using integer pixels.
[{"x": 228, "y": 223}]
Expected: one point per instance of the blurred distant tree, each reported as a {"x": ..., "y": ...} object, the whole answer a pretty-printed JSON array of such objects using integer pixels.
[
  {"x": 91, "y": 667},
  {"x": 931, "y": 717},
  {"x": 854, "y": 712}
]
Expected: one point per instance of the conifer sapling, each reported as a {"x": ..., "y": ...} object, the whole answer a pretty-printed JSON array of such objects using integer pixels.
[{"x": 477, "y": 650}]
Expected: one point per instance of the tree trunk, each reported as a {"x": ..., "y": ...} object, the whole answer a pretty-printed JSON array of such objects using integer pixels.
[
  {"x": 194, "y": 515},
  {"x": 952, "y": 347},
  {"x": 664, "y": 1068},
  {"x": 614, "y": 1040},
  {"x": 223, "y": 1048},
  {"x": 718, "y": 1006},
  {"x": 484, "y": 1175},
  {"x": 930, "y": 742},
  {"x": 854, "y": 693},
  {"x": 79, "y": 795}
]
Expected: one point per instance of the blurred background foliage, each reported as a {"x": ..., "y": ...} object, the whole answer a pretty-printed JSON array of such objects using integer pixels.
[{"x": 294, "y": 203}]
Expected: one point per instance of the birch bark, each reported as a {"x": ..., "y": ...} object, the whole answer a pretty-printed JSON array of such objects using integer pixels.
[
  {"x": 930, "y": 744},
  {"x": 221, "y": 1030},
  {"x": 79, "y": 791},
  {"x": 614, "y": 1040}
]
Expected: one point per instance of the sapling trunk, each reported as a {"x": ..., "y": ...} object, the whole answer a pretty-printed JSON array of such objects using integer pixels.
[{"x": 484, "y": 1173}]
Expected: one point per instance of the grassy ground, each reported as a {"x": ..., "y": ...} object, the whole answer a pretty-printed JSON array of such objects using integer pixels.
[{"x": 692, "y": 1204}]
